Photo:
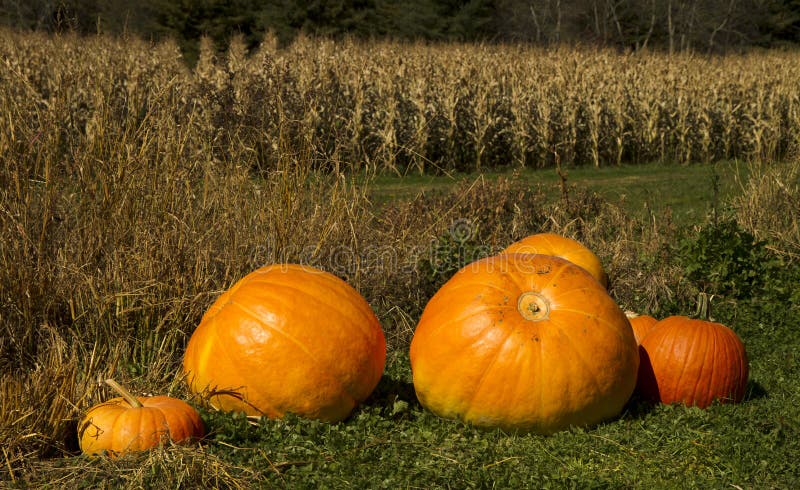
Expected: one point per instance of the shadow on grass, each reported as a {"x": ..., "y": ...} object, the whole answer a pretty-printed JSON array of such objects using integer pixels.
[
  {"x": 391, "y": 390},
  {"x": 637, "y": 407},
  {"x": 754, "y": 391}
]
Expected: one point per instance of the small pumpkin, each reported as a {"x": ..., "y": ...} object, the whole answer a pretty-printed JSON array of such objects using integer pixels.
[
  {"x": 287, "y": 338},
  {"x": 528, "y": 343},
  {"x": 692, "y": 361},
  {"x": 128, "y": 424},
  {"x": 561, "y": 246},
  {"x": 641, "y": 324}
]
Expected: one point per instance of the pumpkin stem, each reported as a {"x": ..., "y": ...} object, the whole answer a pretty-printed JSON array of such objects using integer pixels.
[
  {"x": 533, "y": 306},
  {"x": 703, "y": 307},
  {"x": 132, "y": 401}
]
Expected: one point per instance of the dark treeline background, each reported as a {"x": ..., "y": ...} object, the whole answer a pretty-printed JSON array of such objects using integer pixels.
[{"x": 702, "y": 25}]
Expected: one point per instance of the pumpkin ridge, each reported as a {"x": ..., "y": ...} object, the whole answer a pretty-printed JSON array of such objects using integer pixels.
[
  {"x": 196, "y": 427},
  {"x": 730, "y": 346},
  {"x": 366, "y": 317},
  {"x": 272, "y": 327},
  {"x": 540, "y": 361},
  {"x": 519, "y": 280},
  {"x": 495, "y": 358},
  {"x": 706, "y": 350},
  {"x": 565, "y": 265},
  {"x": 463, "y": 317},
  {"x": 119, "y": 432},
  {"x": 688, "y": 355},
  {"x": 318, "y": 365},
  {"x": 662, "y": 352},
  {"x": 237, "y": 367},
  {"x": 172, "y": 425},
  {"x": 184, "y": 425},
  {"x": 467, "y": 285},
  {"x": 713, "y": 365},
  {"x": 577, "y": 355},
  {"x": 599, "y": 320},
  {"x": 157, "y": 417},
  {"x": 567, "y": 293},
  {"x": 523, "y": 351}
]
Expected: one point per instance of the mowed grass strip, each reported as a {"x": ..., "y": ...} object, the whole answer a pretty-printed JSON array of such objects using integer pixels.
[{"x": 689, "y": 192}]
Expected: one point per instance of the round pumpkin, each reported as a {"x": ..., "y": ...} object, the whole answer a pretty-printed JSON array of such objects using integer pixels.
[
  {"x": 561, "y": 246},
  {"x": 694, "y": 362},
  {"x": 128, "y": 424},
  {"x": 641, "y": 324},
  {"x": 287, "y": 338},
  {"x": 528, "y": 343}
]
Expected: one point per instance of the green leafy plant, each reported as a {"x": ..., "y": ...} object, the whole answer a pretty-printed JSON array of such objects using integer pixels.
[{"x": 727, "y": 260}]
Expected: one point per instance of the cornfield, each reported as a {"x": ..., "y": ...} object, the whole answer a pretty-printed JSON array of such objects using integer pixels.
[{"x": 395, "y": 107}]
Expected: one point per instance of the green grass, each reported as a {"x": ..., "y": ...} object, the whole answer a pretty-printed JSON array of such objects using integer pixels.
[
  {"x": 687, "y": 190},
  {"x": 392, "y": 442}
]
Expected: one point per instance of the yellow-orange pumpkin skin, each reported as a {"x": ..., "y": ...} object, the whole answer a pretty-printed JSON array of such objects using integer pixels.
[
  {"x": 561, "y": 246},
  {"x": 528, "y": 343},
  {"x": 641, "y": 324},
  {"x": 287, "y": 338},
  {"x": 117, "y": 427},
  {"x": 693, "y": 362}
]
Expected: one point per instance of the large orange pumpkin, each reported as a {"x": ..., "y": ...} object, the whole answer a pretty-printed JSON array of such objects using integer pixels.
[
  {"x": 524, "y": 342},
  {"x": 561, "y": 246},
  {"x": 693, "y": 362},
  {"x": 641, "y": 324},
  {"x": 127, "y": 424},
  {"x": 287, "y": 338}
]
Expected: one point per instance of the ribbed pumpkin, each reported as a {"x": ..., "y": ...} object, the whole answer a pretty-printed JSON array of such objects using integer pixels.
[
  {"x": 127, "y": 424},
  {"x": 692, "y": 361},
  {"x": 561, "y": 246},
  {"x": 641, "y": 324},
  {"x": 287, "y": 338},
  {"x": 525, "y": 343}
]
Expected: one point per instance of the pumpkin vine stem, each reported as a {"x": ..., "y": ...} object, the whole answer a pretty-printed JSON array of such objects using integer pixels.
[
  {"x": 132, "y": 400},
  {"x": 703, "y": 307}
]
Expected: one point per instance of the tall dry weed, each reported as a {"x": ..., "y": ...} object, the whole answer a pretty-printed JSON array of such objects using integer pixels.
[{"x": 769, "y": 207}]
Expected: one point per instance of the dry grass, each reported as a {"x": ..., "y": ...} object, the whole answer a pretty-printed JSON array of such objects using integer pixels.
[{"x": 769, "y": 207}]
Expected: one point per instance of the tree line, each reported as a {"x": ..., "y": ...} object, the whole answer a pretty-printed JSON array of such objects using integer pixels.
[{"x": 674, "y": 25}]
